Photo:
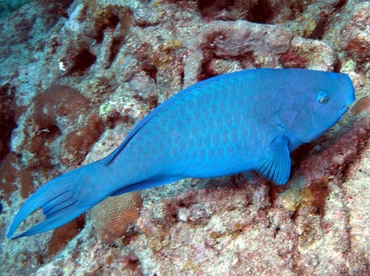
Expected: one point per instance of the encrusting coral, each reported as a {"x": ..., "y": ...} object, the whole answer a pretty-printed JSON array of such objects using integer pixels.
[{"x": 59, "y": 112}]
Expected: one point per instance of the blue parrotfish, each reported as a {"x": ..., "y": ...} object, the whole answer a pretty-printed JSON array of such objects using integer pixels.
[{"x": 228, "y": 124}]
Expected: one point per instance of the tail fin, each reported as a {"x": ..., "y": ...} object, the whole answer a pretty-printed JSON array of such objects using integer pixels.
[{"x": 59, "y": 203}]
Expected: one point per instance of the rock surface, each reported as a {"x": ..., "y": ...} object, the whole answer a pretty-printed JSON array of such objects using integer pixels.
[{"x": 116, "y": 60}]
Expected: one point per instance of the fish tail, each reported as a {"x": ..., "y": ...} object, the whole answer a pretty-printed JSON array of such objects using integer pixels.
[{"x": 59, "y": 201}]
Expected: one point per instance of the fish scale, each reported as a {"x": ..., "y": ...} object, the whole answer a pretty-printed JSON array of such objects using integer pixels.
[{"x": 242, "y": 121}]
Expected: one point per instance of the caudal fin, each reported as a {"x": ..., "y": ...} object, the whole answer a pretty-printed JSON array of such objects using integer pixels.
[{"x": 59, "y": 204}]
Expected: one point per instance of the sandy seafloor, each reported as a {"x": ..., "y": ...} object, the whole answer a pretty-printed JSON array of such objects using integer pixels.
[{"x": 75, "y": 76}]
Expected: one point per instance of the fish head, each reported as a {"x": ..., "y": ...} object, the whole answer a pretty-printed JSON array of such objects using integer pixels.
[{"x": 315, "y": 102}]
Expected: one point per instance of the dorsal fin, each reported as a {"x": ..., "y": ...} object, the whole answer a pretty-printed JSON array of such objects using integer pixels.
[
  {"x": 162, "y": 106},
  {"x": 132, "y": 133},
  {"x": 144, "y": 121}
]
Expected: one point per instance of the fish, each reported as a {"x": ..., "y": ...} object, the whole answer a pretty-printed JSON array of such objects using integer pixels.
[{"x": 250, "y": 120}]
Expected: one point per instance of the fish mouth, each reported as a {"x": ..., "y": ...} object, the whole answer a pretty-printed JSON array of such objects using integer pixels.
[
  {"x": 350, "y": 100},
  {"x": 347, "y": 107},
  {"x": 344, "y": 109}
]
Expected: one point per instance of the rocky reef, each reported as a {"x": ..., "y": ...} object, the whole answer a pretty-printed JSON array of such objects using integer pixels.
[{"x": 75, "y": 76}]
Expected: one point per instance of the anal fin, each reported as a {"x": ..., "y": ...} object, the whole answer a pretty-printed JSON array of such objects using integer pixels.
[{"x": 145, "y": 185}]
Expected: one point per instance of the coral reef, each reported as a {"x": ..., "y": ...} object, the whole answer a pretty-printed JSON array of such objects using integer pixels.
[
  {"x": 58, "y": 123},
  {"x": 113, "y": 217},
  {"x": 9, "y": 6},
  {"x": 75, "y": 80},
  {"x": 7, "y": 119},
  {"x": 356, "y": 38}
]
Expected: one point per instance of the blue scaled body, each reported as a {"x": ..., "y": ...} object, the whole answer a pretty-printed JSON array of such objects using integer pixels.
[{"x": 232, "y": 123}]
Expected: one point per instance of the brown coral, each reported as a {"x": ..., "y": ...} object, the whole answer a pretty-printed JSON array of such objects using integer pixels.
[
  {"x": 113, "y": 217},
  {"x": 58, "y": 101},
  {"x": 62, "y": 111},
  {"x": 7, "y": 119}
]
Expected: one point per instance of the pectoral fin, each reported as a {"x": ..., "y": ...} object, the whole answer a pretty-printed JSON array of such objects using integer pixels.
[{"x": 276, "y": 163}]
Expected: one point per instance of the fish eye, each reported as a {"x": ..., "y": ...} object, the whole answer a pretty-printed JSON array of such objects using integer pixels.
[{"x": 323, "y": 97}]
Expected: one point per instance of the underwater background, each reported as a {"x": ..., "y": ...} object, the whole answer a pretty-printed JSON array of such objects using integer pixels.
[{"x": 75, "y": 76}]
